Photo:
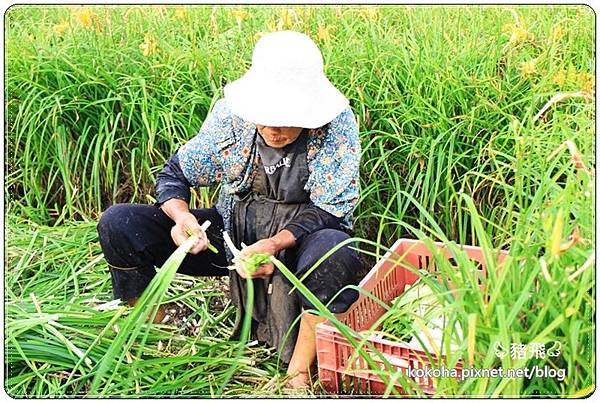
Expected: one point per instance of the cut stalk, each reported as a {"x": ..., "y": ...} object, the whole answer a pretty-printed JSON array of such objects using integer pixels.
[{"x": 146, "y": 306}]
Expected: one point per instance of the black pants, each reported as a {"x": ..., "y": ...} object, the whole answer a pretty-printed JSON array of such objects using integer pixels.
[{"x": 136, "y": 238}]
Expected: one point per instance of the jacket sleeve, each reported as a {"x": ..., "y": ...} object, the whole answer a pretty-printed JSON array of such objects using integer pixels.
[
  {"x": 199, "y": 158},
  {"x": 171, "y": 183},
  {"x": 333, "y": 182}
]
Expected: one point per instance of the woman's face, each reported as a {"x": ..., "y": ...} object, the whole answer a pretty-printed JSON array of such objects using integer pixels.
[{"x": 278, "y": 137}]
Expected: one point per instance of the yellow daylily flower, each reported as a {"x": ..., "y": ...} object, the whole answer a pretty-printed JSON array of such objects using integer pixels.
[
  {"x": 323, "y": 33},
  {"x": 287, "y": 18},
  {"x": 559, "y": 78},
  {"x": 370, "y": 13},
  {"x": 585, "y": 81},
  {"x": 180, "y": 12},
  {"x": 148, "y": 47},
  {"x": 528, "y": 68},
  {"x": 86, "y": 18},
  {"x": 557, "y": 33},
  {"x": 60, "y": 28},
  {"x": 518, "y": 33},
  {"x": 239, "y": 15}
]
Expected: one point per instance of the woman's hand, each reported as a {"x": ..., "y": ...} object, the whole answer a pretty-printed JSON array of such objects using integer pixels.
[
  {"x": 185, "y": 225},
  {"x": 267, "y": 246},
  {"x": 270, "y": 246}
]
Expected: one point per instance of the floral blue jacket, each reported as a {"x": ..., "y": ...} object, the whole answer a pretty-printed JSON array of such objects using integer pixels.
[{"x": 224, "y": 152}]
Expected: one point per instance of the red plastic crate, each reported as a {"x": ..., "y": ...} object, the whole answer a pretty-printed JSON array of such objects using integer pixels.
[{"x": 342, "y": 371}]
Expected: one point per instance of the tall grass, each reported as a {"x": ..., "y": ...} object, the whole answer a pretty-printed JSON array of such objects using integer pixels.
[
  {"x": 453, "y": 150},
  {"x": 432, "y": 104},
  {"x": 59, "y": 330}
]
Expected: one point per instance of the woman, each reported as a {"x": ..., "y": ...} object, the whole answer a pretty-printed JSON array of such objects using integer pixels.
[{"x": 284, "y": 146}]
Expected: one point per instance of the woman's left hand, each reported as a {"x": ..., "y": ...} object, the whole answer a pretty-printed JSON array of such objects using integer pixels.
[{"x": 267, "y": 246}]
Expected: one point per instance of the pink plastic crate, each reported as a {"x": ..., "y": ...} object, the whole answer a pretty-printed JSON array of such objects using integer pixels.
[{"x": 342, "y": 372}]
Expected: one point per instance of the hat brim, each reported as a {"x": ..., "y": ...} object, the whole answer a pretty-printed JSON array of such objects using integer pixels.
[{"x": 262, "y": 101}]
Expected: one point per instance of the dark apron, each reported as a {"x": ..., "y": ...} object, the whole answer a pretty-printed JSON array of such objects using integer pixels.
[{"x": 258, "y": 214}]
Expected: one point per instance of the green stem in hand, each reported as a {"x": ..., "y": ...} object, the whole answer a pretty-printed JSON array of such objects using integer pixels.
[
  {"x": 210, "y": 246},
  {"x": 253, "y": 262}
]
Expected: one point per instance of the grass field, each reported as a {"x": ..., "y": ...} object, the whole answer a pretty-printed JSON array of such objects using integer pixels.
[{"x": 477, "y": 127}]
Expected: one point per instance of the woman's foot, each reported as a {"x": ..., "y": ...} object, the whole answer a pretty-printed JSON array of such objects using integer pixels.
[
  {"x": 298, "y": 380},
  {"x": 160, "y": 312},
  {"x": 305, "y": 352}
]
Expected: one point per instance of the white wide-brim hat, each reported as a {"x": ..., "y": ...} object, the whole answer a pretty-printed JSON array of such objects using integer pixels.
[{"x": 286, "y": 85}]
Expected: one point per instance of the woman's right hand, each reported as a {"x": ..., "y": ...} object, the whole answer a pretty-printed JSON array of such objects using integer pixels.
[{"x": 186, "y": 224}]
